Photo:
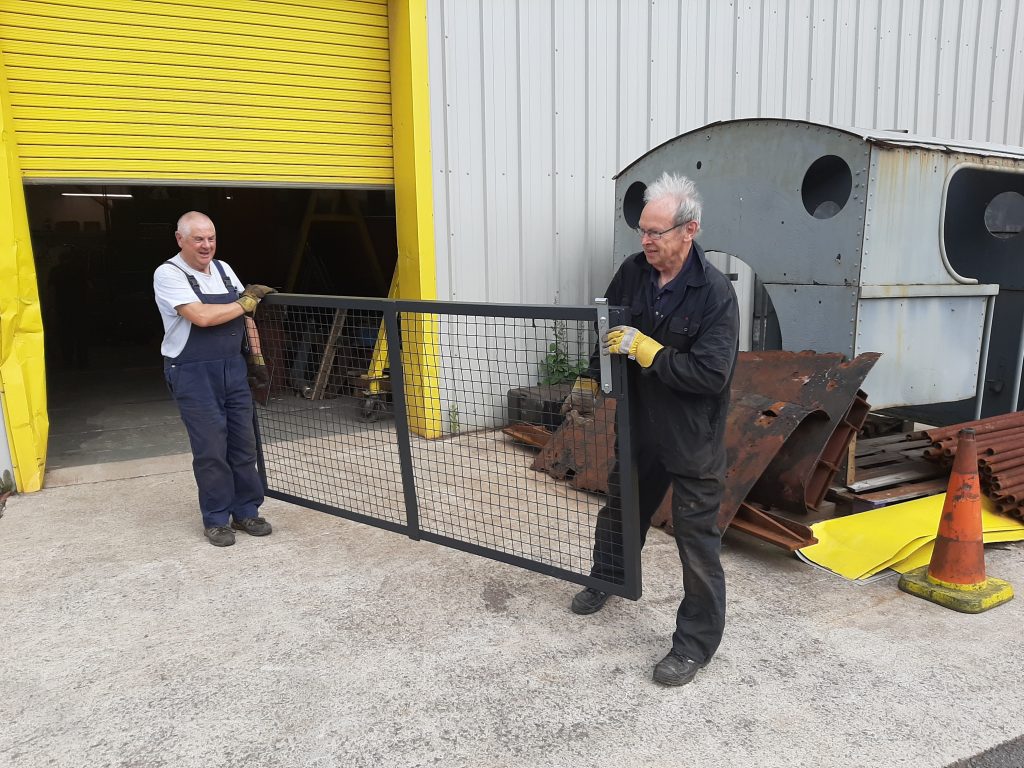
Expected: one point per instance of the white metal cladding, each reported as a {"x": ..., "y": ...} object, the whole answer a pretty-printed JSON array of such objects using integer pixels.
[
  {"x": 537, "y": 104},
  {"x": 912, "y": 372},
  {"x": 484, "y": 357},
  {"x": 903, "y": 230}
]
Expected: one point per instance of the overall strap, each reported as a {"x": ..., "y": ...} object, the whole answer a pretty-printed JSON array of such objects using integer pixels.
[
  {"x": 195, "y": 283},
  {"x": 224, "y": 278},
  {"x": 231, "y": 289},
  {"x": 191, "y": 279}
]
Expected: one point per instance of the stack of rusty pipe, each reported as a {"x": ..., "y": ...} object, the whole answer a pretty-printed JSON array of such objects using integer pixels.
[{"x": 1000, "y": 441}]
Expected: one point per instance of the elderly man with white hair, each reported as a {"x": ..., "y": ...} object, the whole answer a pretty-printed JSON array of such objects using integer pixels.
[
  {"x": 207, "y": 318},
  {"x": 683, "y": 337}
]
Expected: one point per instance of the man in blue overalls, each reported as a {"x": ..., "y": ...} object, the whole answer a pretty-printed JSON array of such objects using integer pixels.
[{"x": 207, "y": 317}]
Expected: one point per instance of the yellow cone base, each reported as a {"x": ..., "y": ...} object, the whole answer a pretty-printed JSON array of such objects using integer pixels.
[{"x": 970, "y": 598}]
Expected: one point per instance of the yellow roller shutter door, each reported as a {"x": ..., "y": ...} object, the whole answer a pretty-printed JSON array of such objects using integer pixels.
[{"x": 211, "y": 90}]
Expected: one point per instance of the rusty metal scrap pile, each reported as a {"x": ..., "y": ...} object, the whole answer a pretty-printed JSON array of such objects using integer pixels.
[
  {"x": 1000, "y": 441},
  {"x": 792, "y": 416},
  {"x": 791, "y": 421}
]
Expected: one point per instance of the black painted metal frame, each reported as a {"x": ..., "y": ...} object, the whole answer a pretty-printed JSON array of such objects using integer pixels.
[{"x": 393, "y": 312}]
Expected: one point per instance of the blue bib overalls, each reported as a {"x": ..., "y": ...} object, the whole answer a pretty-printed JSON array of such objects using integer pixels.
[{"x": 208, "y": 382}]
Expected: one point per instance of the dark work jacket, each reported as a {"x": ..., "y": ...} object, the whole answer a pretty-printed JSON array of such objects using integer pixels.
[{"x": 682, "y": 399}]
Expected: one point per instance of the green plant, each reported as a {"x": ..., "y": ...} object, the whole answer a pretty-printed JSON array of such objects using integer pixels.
[
  {"x": 453, "y": 418},
  {"x": 556, "y": 366}
]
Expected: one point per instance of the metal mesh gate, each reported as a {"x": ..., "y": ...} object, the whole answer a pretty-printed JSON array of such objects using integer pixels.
[{"x": 397, "y": 414}]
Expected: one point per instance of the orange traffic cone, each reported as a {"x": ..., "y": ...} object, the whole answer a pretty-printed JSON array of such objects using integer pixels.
[{"x": 955, "y": 577}]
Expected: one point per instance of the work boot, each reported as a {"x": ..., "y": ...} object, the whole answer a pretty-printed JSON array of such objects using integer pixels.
[
  {"x": 254, "y": 526},
  {"x": 675, "y": 669},
  {"x": 588, "y": 601},
  {"x": 220, "y": 536}
]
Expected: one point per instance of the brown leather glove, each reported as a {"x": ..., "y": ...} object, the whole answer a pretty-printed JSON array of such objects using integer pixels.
[
  {"x": 257, "y": 372},
  {"x": 252, "y": 295}
]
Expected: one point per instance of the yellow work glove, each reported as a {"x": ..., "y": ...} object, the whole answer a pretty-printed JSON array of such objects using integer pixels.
[
  {"x": 251, "y": 296},
  {"x": 581, "y": 398},
  {"x": 627, "y": 340}
]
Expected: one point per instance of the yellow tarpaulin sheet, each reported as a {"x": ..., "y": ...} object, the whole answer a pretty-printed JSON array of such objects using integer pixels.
[{"x": 900, "y": 537}]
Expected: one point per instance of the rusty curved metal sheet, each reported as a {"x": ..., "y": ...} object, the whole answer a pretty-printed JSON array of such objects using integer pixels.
[
  {"x": 791, "y": 418},
  {"x": 798, "y": 477},
  {"x": 582, "y": 449},
  {"x": 758, "y": 428}
]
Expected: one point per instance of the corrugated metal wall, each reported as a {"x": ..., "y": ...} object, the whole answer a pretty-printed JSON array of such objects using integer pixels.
[
  {"x": 205, "y": 90},
  {"x": 536, "y": 104}
]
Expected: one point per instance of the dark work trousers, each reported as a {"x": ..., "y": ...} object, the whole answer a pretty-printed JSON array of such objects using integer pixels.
[
  {"x": 700, "y": 620},
  {"x": 208, "y": 381}
]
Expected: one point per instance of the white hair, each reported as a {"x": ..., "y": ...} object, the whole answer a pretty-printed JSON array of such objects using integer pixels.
[
  {"x": 683, "y": 191},
  {"x": 187, "y": 220}
]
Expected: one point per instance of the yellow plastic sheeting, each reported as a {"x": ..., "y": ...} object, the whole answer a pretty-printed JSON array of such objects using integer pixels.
[
  {"x": 923, "y": 555},
  {"x": 900, "y": 537},
  {"x": 22, "y": 371}
]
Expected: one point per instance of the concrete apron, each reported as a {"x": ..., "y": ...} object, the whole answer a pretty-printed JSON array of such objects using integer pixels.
[
  {"x": 118, "y": 470},
  {"x": 128, "y": 640}
]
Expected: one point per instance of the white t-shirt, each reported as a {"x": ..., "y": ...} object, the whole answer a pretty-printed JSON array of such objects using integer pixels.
[{"x": 172, "y": 289}]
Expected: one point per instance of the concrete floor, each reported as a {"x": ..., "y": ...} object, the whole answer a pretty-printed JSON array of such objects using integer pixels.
[
  {"x": 100, "y": 416},
  {"x": 128, "y": 640}
]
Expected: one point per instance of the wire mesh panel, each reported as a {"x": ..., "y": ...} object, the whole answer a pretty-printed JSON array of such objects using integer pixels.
[
  {"x": 446, "y": 421},
  {"x": 501, "y": 382},
  {"x": 318, "y": 446}
]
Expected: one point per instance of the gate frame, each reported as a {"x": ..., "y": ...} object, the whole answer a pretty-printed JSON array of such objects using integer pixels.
[{"x": 392, "y": 310}]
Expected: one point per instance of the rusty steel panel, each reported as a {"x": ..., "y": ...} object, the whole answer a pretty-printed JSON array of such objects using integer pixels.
[
  {"x": 530, "y": 434},
  {"x": 582, "y": 449},
  {"x": 792, "y": 416},
  {"x": 756, "y": 429},
  {"x": 798, "y": 476},
  {"x": 774, "y": 529},
  {"x": 834, "y": 452}
]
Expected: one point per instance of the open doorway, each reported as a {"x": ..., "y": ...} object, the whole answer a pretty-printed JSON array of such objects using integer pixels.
[{"x": 96, "y": 248}]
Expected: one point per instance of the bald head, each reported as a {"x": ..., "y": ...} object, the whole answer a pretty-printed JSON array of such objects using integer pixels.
[
  {"x": 190, "y": 220},
  {"x": 197, "y": 238}
]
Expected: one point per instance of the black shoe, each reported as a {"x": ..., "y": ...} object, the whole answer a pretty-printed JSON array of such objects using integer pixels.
[
  {"x": 588, "y": 601},
  {"x": 254, "y": 526},
  {"x": 220, "y": 536},
  {"x": 675, "y": 669}
]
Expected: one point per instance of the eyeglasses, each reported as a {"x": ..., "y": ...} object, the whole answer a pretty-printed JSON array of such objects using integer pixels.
[{"x": 655, "y": 234}]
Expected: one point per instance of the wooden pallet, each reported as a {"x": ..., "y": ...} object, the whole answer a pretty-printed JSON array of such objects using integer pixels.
[{"x": 887, "y": 470}]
